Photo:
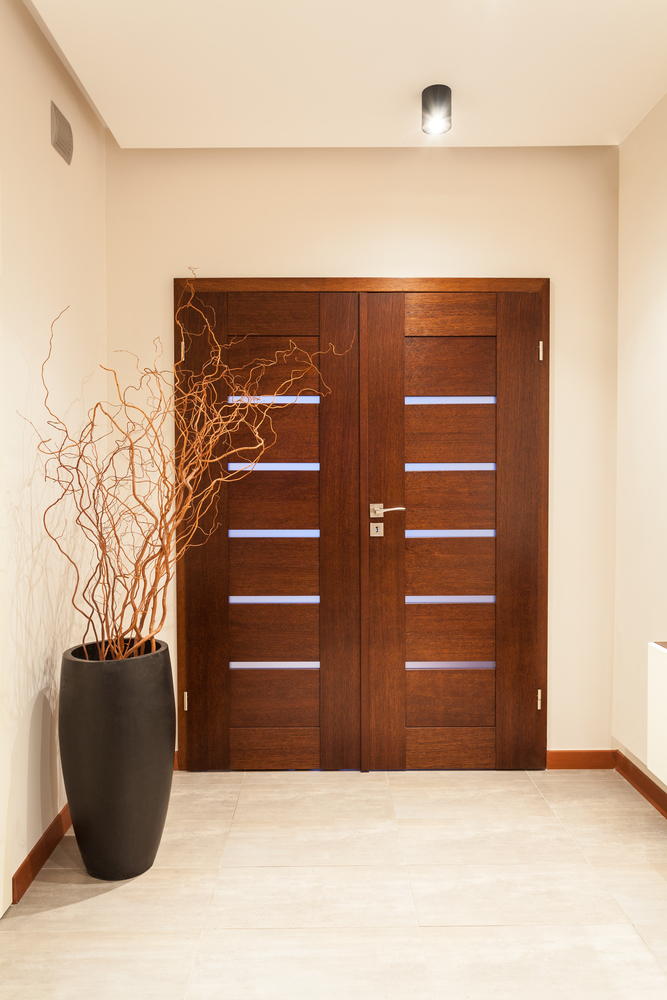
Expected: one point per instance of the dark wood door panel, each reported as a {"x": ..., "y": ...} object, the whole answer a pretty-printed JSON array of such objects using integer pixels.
[
  {"x": 292, "y": 314},
  {"x": 274, "y": 749},
  {"x": 450, "y": 566},
  {"x": 291, "y": 434},
  {"x": 340, "y": 677},
  {"x": 274, "y": 698},
  {"x": 451, "y": 749},
  {"x": 450, "y": 314},
  {"x": 450, "y": 499},
  {"x": 386, "y": 570},
  {"x": 450, "y": 433},
  {"x": 446, "y": 632},
  {"x": 279, "y": 362},
  {"x": 450, "y": 366},
  {"x": 274, "y": 566},
  {"x": 363, "y": 708},
  {"x": 201, "y": 579},
  {"x": 275, "y": 500},
  {"x": 450, "y": 698},
  {"x": 262, "y": 632}
]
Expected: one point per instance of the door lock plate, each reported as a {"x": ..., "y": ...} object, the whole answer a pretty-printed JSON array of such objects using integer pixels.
[{"x": 377, "y": 530}]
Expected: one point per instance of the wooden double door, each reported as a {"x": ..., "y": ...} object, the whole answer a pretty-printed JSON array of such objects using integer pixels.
[{"x": 318, "y": 631}]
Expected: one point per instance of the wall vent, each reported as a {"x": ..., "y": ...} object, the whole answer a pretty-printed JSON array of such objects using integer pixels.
[{"x": 61, "y": 134}]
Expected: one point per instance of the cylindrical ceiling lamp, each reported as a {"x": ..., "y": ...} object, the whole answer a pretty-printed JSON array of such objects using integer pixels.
[{"x": 436, "y": 109}]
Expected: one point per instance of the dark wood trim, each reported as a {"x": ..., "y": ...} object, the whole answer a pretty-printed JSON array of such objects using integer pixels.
[
  {"x": 575, "y": 760},
  {"x": 175, "y": 760},
  {"x": 40, "y": 854},
  {"x": 521, "y": 522},
  {"x": 386, "y": 484},
  {"x": 364, "y": 547},
  {"x": 363, "y": 284},
  {"x": 645, "y": 786}
]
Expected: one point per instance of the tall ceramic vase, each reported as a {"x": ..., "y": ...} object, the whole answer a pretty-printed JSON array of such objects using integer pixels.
[{"x": 117, "y": 725}]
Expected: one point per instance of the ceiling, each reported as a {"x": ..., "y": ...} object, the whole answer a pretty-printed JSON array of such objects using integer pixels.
[{"x": 259, "y": 73}]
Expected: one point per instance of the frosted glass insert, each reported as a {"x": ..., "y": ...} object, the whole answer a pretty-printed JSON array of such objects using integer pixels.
[
  {"x": 273, "y": 399},
  {"x": 450, "y": 665},
  {"x": 446, "y": 400},
  {"x": 275, "y": 665},
  {"x": 449, "y": 466},
  {"x": 450, "y": 533},
  {"x": 276, "y": 466},
  {"x": 273, "y": 599},
  {"x": 453, "y": 599},
  {"x": 274, "y": 532}
]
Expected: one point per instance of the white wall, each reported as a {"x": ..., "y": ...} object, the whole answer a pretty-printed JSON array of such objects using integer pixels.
[
  {"x": 641, "y": 588},
  {"x": 471, "y": 212},
  {"x": 52, "y": 256}
]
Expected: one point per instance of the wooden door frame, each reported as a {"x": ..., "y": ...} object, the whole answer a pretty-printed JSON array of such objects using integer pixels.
[{"x": 523, "y": 321}]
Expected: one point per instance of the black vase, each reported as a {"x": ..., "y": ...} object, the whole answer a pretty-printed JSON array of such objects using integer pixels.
[{"x": 117, "y": 724}]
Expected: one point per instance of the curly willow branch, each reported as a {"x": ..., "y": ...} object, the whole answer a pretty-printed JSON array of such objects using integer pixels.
[{"x": 141, "y": 501}]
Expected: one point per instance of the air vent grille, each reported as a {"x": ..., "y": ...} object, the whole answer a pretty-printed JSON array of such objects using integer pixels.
[{"x": 61, "y": 134}]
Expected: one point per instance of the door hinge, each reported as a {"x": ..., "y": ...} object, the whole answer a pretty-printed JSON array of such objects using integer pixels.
[
  {"x": 540, "y": 351},
  {"x": 185, "y": 701},
  {"x": 539, "y": 699}
]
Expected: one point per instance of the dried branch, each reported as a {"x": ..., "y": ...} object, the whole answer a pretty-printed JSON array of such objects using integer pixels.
[{"x": 140, "y": 500}]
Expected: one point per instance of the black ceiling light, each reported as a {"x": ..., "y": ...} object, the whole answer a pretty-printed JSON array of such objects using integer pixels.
[{"x": 436, "y": 109}]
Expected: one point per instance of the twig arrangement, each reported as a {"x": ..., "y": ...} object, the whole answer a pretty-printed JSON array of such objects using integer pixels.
[{"x": 141, "y": 496}]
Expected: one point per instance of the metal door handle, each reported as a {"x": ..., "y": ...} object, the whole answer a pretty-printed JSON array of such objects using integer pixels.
[{"x": 379, "y": 510}]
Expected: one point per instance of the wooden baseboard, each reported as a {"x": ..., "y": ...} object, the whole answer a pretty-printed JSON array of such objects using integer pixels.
[
  {"x": 175, "y": 760},
  {"x": 652, "y": 793},
  {"x": 40, "y": 853},
  {"x": 581, "y": 759}
]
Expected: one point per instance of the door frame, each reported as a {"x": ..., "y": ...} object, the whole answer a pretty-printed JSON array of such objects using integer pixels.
[{"x": 522, "y": 519}]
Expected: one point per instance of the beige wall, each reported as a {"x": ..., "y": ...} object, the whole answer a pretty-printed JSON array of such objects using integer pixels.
[
  {"x": 52, "y": 219},
  {"x": 474, "y": 212},
  {"x": 641, "y": 578}
]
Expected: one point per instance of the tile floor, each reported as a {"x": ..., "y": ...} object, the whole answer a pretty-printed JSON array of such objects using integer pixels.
[{"x": 346, "y": 886}]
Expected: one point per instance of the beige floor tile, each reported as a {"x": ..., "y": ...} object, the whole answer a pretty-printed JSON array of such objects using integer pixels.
[
  {"x": 640, "y": 833},
  {"x": 447, "y": 801},
  {"x": 327, "y": 964},
  {"x": 196, "y": 803},
  {"x": 542, "y": 963},
  {"x": 88, "y": 965},
  {"x": 617, "y": 796},
  {"x": 325, "y": 804},
  {"x": 209, "y": 780},
  {"x": 484, "y": 840},
  {"x": 295, "y": 779},
  {"x": 192, "y": 844},
  {"x": 461, "y": 895},
  {"x": 164, "y": 899},
  {"x": 264, "y": 845},
  {"x": 602, "y": 855},
  {"x": 556, "y": 775},
  {"x": 642, "y": 893},
  {"x": 66, "y": 854},
  {"x": 655, "y": 936},
  {"x": 463, "y": 780},
  {"x": 336, "y": 896}
]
